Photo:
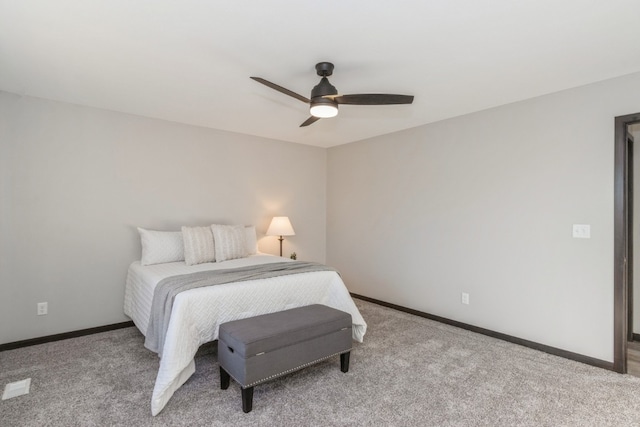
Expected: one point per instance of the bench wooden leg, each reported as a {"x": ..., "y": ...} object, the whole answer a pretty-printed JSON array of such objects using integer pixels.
[
  {"x": 224, "y": 379},
  {"x": 247, "y": 399},
  {"x": 344, "y": 361}
]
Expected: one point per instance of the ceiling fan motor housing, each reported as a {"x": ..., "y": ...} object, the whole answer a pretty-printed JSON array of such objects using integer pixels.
[
  {"x": 323, "y": 88},
  {"x": 321, "y": 106}
]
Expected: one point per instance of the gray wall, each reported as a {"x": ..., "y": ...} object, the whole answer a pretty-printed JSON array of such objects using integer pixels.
[
  {"x": 484, "y": 204},
  {"x": 75, "y": 182}
]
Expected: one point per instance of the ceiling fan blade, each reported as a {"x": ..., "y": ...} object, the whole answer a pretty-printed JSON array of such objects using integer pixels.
[
  {"x": 309, "y": 121},
  {"x": 281, "y": 89},
  {"x": 373, "y": 99}
]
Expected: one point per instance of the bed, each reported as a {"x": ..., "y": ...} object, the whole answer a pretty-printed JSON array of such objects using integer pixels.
[{"x": 197, "y": 313}]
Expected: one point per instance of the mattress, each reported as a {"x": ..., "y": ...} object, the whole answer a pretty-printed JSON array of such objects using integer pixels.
[{"x": 197, "y": 313}]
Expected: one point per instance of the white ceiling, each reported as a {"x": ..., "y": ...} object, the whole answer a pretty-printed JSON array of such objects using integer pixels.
[{"x": 189, "y": 61}]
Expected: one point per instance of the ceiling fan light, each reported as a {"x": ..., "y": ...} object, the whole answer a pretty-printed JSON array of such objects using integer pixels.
[
  {"x": 324, "y": 111},
  {"x": 324, "y": 108}
]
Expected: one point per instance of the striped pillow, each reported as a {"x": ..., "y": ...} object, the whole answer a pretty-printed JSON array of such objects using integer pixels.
[
  {"x": 230, "y": 241},
  {"x": 198, "y": 245}
]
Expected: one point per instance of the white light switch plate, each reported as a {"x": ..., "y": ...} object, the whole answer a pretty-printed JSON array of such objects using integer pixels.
[{"x": 582, "y": 231}]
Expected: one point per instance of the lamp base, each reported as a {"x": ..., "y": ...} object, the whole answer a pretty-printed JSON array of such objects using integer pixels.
[{"x": 281, "y": 239}]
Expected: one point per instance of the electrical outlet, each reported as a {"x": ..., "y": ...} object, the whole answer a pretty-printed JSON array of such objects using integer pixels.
[
  {"x": 465, "y": 298},
  {"x": 43, "y": 308},
  {"x": 582, "y": 231}
]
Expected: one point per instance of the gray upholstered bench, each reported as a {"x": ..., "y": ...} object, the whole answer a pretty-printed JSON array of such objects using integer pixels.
[{"x": 257, "y": 349}]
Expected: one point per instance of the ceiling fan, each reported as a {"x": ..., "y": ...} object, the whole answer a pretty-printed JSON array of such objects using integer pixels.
[{"x": 325, "y": 99}]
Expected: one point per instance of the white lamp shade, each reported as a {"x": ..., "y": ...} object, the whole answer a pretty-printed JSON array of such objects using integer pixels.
[{"x": 280, "y": 226}]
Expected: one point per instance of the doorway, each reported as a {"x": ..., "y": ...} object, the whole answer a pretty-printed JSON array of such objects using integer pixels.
[{"x": 623, "y": 241}]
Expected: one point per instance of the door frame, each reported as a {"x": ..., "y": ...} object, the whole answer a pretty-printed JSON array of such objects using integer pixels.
[
  {"x": 630, "y": 227},
  {"x": 621, "y": 267}
]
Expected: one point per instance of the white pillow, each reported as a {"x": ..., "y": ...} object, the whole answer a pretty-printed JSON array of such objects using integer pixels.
[
  {"x": 198, "y": 245},
  {"x": 230, "y": 241},
  {"x": 160, "y": 246},
  {"x": 251, "y": 240}
]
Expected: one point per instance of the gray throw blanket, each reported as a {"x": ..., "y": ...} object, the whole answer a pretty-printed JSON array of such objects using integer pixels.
[{"x": 166, "y": 291}]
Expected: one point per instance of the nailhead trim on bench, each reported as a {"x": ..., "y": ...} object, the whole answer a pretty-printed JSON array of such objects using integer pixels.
[{"x": 289, "y": 370}]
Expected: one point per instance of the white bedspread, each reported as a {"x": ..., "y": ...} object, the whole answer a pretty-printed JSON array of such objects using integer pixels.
[{"x": 198, "y": 313}]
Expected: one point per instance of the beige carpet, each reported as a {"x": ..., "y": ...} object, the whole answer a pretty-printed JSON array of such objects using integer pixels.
[{"x": 409, "y": 371}]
